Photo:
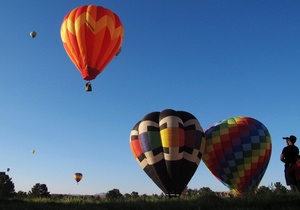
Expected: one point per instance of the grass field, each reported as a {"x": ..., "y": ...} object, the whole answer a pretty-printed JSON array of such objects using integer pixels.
[{"x": 287, "y": 201}]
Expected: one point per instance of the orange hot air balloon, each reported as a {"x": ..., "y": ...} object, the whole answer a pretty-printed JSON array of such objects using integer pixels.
[
  {"x": 92, "y": 36},
  {"x": 77, "y": 177}
]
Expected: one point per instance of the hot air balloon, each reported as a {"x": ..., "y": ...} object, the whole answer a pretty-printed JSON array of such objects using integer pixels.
[
  {"x": 33, "y": 151},
  {"x": 237, "y": 153},
  {"x": 77, "y": 177},
  {"x": 33, "y": 34},
  {"x": 168, "y": 146},
  {"x": 92, "y": 36}
]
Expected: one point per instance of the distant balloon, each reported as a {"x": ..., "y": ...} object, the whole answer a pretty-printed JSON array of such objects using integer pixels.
[
  {"x": 237, "y": 152},
  {"x": 33, "y": 151},
  {"x": 8, "y": 169},
  {"x": 78, "y": 177},
  {"x": 33, "y": 34},
  {"x": 168, "y": 146},
  {"x": 92, "y": 36}
]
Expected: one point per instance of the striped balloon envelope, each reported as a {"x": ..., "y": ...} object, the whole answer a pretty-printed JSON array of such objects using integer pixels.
[
  {"x": 168, "y": 146},
  {"x": 92, "y": 36},
  {"x": 237, "y": 152},
  {"x": 77, "y": 177}
]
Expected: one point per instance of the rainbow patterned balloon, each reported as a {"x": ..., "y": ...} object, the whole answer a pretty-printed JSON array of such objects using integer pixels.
[{"x": 237, "y": 152}]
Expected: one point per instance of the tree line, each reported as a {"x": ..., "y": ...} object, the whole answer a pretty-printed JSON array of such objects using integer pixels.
[{"x": 7, "y": 190}]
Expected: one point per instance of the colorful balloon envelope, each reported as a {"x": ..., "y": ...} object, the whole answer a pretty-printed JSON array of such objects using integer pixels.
[
  {"x": 92, "y": 36},
  {"x": 237, "y": 152},
  {"x": 78, "y": 177},
  {"x": 168, "y": 146}
]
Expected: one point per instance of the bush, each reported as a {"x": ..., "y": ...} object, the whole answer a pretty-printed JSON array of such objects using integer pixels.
[
  {"x": 263, "y": 190},
  {"x": 114, "y": 194},
  {"x": 40, "y": 191},
  {"x": 279, "y": 188}
]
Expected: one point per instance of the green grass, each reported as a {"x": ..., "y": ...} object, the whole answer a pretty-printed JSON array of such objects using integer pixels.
[{"x": 288, "y": 201}]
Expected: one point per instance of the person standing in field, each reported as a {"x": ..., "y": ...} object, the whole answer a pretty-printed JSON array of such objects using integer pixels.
[{"x": 289, "y": 156}]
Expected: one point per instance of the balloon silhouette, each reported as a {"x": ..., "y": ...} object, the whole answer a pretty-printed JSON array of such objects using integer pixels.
[
  {"x": 168, "y": 146},
  {"x": 92, "y": 36},
  {"x": 78, "y": 177},
  {"x": 33, "y": 34},
  {"x": 237, "y": 152}
]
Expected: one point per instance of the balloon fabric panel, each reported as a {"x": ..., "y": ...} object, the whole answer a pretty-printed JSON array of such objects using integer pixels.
[
  {"x": 92, "y": 36},
  {"x": 238, "y": 152},
  {"x": 168, "y": 146}
]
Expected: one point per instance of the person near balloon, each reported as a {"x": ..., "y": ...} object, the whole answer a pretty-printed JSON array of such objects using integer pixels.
[
  {"x": 297, "y": 172},
  {"x": 289, "y": 156}
]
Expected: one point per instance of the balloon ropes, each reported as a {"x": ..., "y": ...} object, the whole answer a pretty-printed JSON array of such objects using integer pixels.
[
  {"x": 92, "y": 36},
  {"x": 168, "y": 146}
]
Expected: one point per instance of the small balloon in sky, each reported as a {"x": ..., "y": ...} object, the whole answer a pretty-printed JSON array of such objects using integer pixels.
[
  {"x": 78, "y": 177},
  {"x": 33, "y": 151},
  {"x": 33, "y": 34}
]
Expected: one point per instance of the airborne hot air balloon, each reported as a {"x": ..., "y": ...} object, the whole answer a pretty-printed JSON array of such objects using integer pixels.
[
  {"x": 92, "y": 36},
  {"x": 33, "y": 34},
  {"x": 168, "y": 146},
  {"x": 237, "y": 152},
  {"x": 77, "y": 177}
]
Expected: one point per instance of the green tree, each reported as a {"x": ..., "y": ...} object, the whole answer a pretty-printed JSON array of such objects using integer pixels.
[
  {"x": 127, "y": 195},
  {"x": 113, "y": 194},
  {"x": 205, "y": 191},
  {"x": 21, "y": 194},
  {"x": 39, "y": 190},
  {"x": 134, "y": 194},
  {"x": 263, "y": 190},
  {"x": 7, "y": 187},
  {"x": 189, "y": 192},
  {"x": 279, "y": 188}
]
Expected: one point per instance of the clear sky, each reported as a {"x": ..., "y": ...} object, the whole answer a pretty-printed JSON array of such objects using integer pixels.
[{"x": 213, "y": 58}]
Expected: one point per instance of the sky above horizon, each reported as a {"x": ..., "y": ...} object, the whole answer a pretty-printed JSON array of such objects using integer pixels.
[{"x": 215, "y": 59}]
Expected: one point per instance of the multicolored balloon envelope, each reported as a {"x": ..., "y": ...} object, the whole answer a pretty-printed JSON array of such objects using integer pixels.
[
  {"x": 237, "y": 152},
  {"x": 78, "y": 177},
  {"x": 92, "y": 36},
  {"x": 168, "y": 146}
]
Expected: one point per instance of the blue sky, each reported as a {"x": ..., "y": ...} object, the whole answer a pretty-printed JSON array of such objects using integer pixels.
[{"x": 213, "y": 58}]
